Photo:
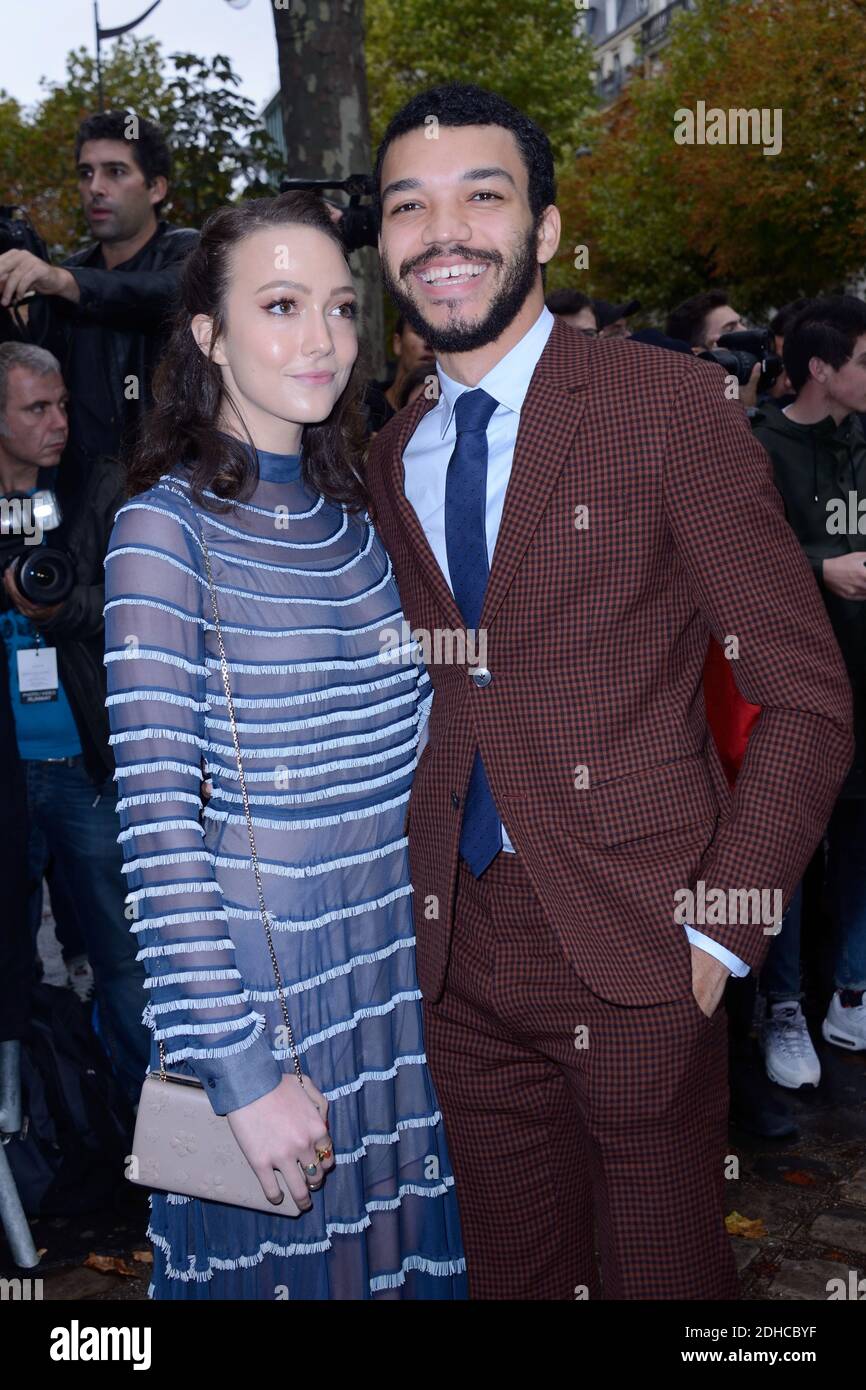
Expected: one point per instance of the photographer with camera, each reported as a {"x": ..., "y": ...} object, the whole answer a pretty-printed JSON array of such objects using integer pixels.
[
  {"x": 702, "y": 322},
  {"x": 58, "y": 766},
  {"x": 104, "y": 312}
]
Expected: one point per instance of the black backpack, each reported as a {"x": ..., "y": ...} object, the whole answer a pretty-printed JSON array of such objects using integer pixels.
[{"x": 79, "y": 1123}]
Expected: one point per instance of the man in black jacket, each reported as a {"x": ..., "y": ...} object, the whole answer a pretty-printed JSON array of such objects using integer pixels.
[
  {"x": 57, "y": 763},
  {"x": 818, "y": 452},
  {"x": 106, "y": 311}
]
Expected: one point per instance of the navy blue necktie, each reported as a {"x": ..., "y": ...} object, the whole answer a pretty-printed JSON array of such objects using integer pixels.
[{"x": 466, "y": 548}]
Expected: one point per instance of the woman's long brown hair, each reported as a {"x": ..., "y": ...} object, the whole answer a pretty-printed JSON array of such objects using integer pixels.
[{"x": 188, "y": 389}]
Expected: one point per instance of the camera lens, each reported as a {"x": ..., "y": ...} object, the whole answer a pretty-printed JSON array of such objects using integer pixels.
[{"x": 46, "y": 576}]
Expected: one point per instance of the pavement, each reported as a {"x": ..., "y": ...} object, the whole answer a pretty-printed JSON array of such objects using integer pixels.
[
  {"x": 802, "y": 1202},
  {"x": 809, "y": 1194}
]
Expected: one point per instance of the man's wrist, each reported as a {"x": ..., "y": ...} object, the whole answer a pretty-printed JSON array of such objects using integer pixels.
[
  {"x": 733, "y": 964},
  {"x": 67, "y": 285}
]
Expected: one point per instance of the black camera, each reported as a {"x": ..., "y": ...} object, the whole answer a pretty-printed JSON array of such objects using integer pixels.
[
  {"x": 357, "y": 225},
  {"x": 738, "y": 353},
  {"x": 17, "y": 233},
  {"x": 43, "y": 574}
]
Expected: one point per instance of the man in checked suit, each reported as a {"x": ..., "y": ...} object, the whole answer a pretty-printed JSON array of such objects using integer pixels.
[{"x": 595, "y": 511}]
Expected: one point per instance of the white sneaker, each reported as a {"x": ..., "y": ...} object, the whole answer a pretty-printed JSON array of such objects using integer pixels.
[
  {"x": 79, "y": 977},
  {"x": 846, "y": 1027},
  {"x": 789, "y": 1056}
]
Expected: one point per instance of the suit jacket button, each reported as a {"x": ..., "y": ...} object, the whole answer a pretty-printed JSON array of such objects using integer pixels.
[
  {"x": 455, "y": 800},
  {"x": 482, "y": 676}
]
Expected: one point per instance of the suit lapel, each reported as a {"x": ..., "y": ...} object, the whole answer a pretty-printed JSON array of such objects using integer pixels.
[
  {"x": 549, "y": 420},
  {"x": 413, "y": 531}
]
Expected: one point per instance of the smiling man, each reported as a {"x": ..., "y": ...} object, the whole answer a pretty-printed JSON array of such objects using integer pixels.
[
  {"x": 598, "y": 510},
  {"x": 104, "y": 312}
]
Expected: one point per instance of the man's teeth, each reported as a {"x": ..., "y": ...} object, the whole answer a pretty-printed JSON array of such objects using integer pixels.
[{"x": 449, "y": 272}]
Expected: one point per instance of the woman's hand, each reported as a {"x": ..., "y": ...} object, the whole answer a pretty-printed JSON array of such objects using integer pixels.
[{"x": 280, "y": 1131}]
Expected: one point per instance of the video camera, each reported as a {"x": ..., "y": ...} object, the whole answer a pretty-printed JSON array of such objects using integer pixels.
[
  {"x": 738, "y": 353},
  {"x": 357, "y": 226}
]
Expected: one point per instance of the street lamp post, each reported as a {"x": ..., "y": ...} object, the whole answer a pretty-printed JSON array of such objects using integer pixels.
[
  {"x": 125, "y": 28},
  {"x": 113, "y": 34}
]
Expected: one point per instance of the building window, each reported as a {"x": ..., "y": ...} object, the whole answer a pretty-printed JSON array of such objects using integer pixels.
[{"x": 585, "y": 22}]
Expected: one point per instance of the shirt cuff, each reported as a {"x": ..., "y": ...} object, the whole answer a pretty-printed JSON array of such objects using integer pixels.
[
  {"x": 239, "y": 1078},
  {"x": 736, "y": 966}
]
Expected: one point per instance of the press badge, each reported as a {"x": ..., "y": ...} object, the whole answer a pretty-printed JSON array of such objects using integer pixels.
[{"x": 37, "y": 674}]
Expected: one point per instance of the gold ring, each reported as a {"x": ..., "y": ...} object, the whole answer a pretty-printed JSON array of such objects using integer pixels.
[{"x": 322, "y": 1154}]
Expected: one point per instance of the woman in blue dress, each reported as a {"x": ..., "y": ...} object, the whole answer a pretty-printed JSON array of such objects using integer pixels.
[{"x": 253, "y": 447}]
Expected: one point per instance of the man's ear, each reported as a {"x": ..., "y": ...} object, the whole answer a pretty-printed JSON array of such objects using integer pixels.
[
  {"x": 202, "y": 331},
  {"x": 549, "y": 234},
  {"x": 158, "y": 189}
]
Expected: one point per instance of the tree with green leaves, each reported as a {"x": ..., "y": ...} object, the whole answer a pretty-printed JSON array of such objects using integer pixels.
[
  {"x": 532, "y": 53},
  {"x": 664, "y": 220},
  {"x": 220, "y": 149}
]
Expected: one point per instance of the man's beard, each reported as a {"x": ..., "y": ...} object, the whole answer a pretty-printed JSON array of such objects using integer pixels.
[{"x": 504, "y": 307}]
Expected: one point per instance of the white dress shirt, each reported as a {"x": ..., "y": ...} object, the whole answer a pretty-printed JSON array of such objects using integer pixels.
[{"x": 425, "y": 465}]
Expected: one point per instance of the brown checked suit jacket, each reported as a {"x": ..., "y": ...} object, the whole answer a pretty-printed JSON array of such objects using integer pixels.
[{"x": 640, "y": 518}]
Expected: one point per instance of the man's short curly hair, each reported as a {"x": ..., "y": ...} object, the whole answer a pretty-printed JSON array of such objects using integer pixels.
[{"x": 149, "y": 149}]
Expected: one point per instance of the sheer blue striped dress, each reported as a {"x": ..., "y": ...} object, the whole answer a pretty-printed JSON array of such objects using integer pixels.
[{"x": 329, "y": 733}]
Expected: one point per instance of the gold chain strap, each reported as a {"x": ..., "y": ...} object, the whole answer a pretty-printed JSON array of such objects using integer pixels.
[{"x": 264, "y": 912}]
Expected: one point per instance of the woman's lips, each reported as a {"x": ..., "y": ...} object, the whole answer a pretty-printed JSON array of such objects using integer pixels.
[{"x": 315, "y": 378}]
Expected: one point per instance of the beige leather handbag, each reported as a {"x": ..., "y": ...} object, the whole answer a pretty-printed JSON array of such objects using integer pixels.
[{"x": 181, "y": 1145}]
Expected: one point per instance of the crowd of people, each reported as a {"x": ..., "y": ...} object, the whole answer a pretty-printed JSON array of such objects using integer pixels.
[{"x": 76, "y": 382}]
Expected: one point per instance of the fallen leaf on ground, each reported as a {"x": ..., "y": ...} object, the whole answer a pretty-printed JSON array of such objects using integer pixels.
[
  {"x": 110, "y": 1264},
  {"x": 801, "y": 1178},
  {"x": 737, "y": 1225}
]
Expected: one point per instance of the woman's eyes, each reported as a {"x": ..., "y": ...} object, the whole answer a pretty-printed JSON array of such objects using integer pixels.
[
  {"x": 350, "y": 304},
  {"x": 279, "y": 304}
]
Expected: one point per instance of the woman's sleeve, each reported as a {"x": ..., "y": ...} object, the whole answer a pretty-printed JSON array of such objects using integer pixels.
[
  {"x": 424, "y": 690},
  {"x": 157, "y": 700}
]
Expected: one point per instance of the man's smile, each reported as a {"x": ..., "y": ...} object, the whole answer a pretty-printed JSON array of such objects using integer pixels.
[{"x": 447, "y": 280}]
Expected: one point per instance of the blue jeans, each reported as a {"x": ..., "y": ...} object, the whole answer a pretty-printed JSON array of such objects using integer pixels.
[
  {"x": 780, "y": 976},
  {"x": 846, "y": 881},
  {"x": 67, "y": 927},
  {"x": 846, "y": 891},
  {"x": 78, "y": 824}
]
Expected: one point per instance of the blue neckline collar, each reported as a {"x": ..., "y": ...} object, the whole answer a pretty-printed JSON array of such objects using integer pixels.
[
  {"x": 278, "y": 468},
  {"x": 275, "y": 468}
]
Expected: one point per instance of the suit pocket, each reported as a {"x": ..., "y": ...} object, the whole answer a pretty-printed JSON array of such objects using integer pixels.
[
  {"x": 706, "y": 1019},
  {"x": 650, "y": 808}
]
